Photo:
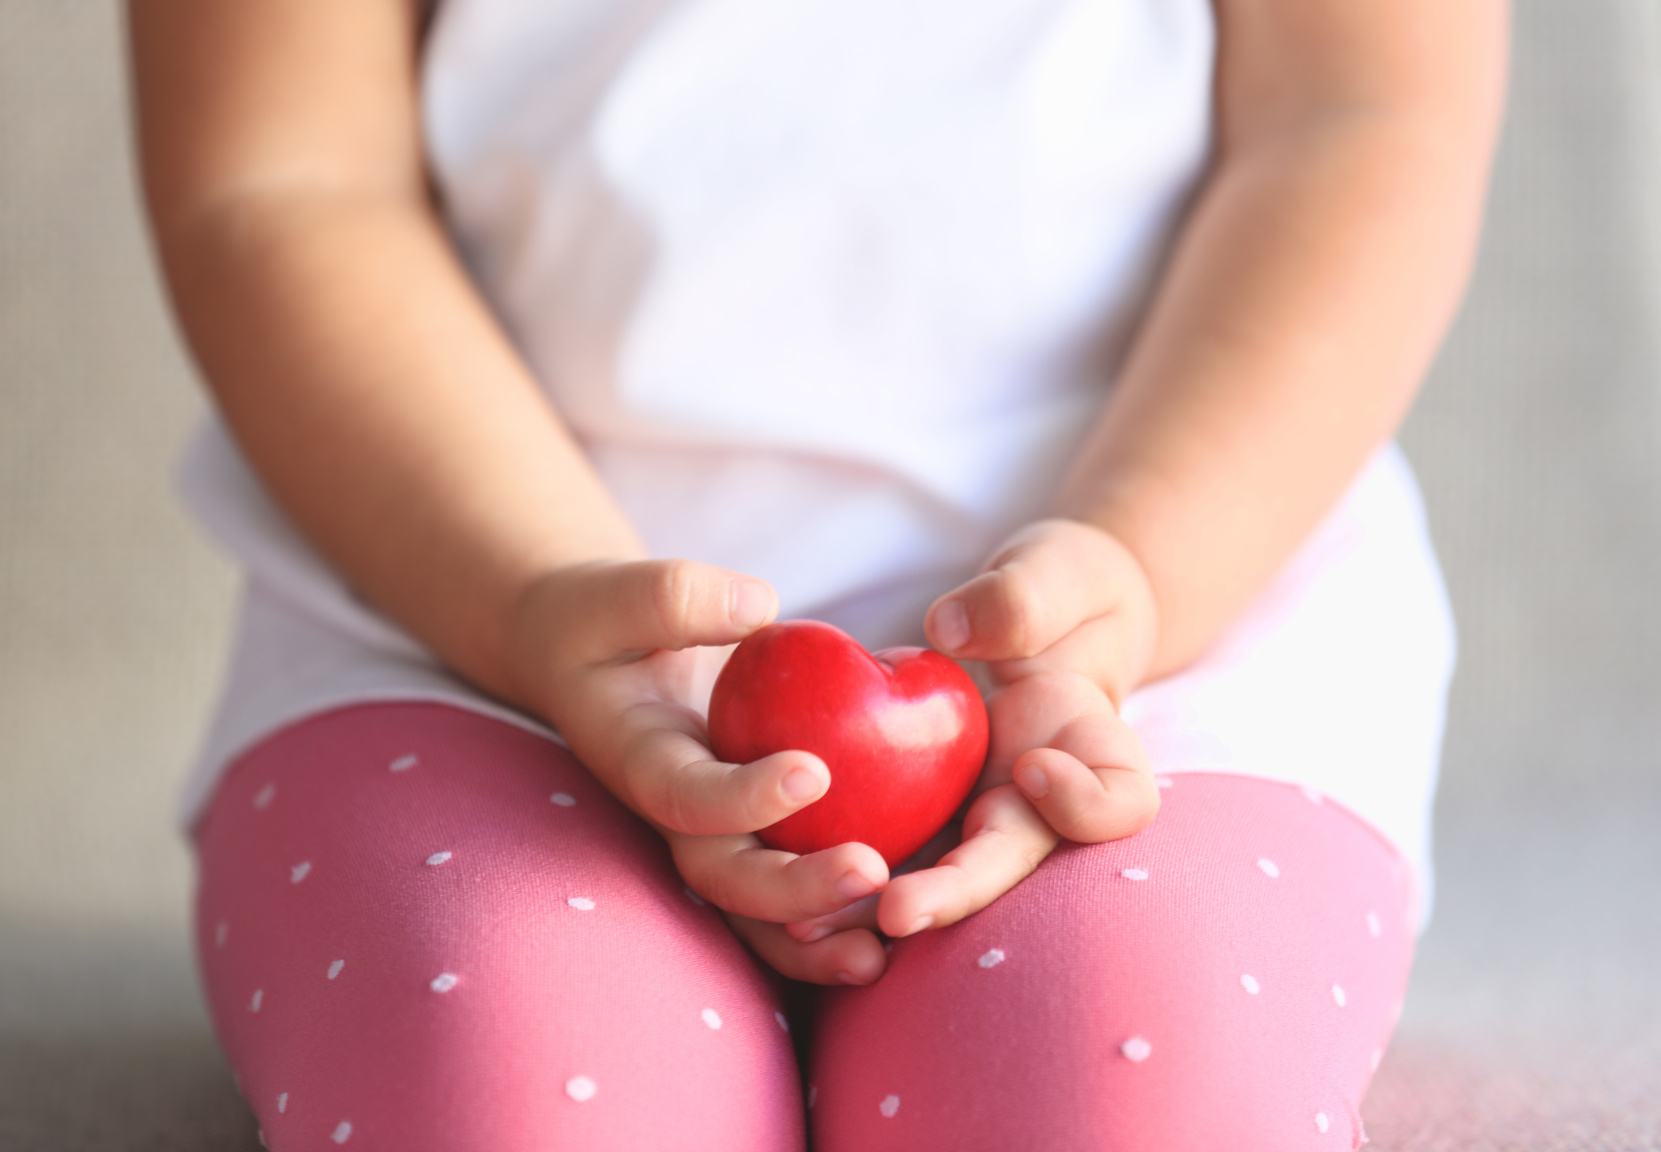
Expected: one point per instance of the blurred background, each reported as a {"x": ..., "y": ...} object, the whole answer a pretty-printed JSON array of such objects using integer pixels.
[{"x": 1534, "y": 1020}]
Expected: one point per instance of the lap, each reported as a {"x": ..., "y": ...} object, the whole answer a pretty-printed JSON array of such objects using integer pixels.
[{"x": 435, "y": 929}]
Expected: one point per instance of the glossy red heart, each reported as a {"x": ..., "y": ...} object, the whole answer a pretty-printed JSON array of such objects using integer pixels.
[{"x": 902, "y": 731}]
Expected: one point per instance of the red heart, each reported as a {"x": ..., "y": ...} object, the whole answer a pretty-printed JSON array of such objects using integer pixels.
[{"x": 903, "y": 732}]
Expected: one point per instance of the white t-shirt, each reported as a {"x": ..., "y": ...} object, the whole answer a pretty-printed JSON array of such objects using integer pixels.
[{"x": 827, "y": 289}]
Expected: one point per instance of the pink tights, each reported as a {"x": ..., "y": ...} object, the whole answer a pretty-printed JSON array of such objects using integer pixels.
[{"x": 422, "y": 928}]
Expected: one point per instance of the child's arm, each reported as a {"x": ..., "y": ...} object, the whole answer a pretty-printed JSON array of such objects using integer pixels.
[
  {"x": 386, "y": 412},
  {"x": 1304, "y": 300}
]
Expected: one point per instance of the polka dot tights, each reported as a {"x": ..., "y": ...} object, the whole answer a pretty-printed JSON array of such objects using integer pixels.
[{"x": 422, "y": 928}]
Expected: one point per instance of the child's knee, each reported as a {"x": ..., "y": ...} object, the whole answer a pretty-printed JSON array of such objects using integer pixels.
[
  {"x": 420, "y": 936},
  {"x": 1224, "y": 979}
]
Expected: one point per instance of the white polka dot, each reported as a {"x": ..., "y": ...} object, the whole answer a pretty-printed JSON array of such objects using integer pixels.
[
  {"x": 221, "y": 931},
  {"x": 1378, "y": 1054},
  {"x": 1374, "y": 928},
  {"x": 1270, "y": 868},
  {"x": 257, "y": 999},
  {"x": 282, "y": 1102},
  {"x": 444, "y": 981},
  {"x": 342, "y": 1132},
  {"x": 438, "y": 858},
  {"x": 263, "y": 798},
  {"x": 299, "y": 872},
  {"x": 1136, "y": 1049},
  {"x": 889, "y": 1106},
  {"x": 711, "y": 1017},
  {"x": 1134, "y": 874},
  {"x": 334, "y": 969},
  {"x": 1322, "y": 1122},
  {"x": 694, "y": 897},
  {"x": 581, "y": 903},
  {"x": 564, "y": 799},
  {"x": 402, "y": 764},
  {"x": 1338, "y": 996},
  {"x": 1249, "y": 983},
  {"x": 581, "y": 1088},
  {"x": 1313, "y": 795},
  {"x": 1165, "y": 782},
  {"x": 812, "y": 1095},
  {"x": 783, "y": 1023},
  {"x": 992, "y": 958}
]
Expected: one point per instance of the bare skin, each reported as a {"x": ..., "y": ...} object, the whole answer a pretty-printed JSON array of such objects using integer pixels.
[{"x": 386, "y": 411}]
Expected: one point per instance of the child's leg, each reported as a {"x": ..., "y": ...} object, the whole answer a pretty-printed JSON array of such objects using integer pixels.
[
  {"x": 1227, "y": 978},
  {"x": 422, "y": 928}
]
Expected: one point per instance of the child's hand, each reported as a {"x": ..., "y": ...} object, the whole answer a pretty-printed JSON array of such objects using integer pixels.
[
  {"x": 1065, "y": 620},
  {"x": 620, "y": 657}
]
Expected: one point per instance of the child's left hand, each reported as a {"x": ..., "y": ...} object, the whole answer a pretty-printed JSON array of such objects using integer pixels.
[{"x": 1065, "y": 619}]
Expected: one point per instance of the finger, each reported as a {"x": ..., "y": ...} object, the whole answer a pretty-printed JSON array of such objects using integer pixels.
[
  {"x": 853, "y": 957},
  {"x": 863, "y": 913},
  {"x": 738, "y": 874},
  {"x": 611, "y": 610},
  {"x": 673, "y": 780},
  {"x": 1051, "y": 577},
  {"x": 1084, "y": 803},
  {"x": 1004, "y": 839},
  {"x": 1111, "y": 651},
  {"x": 1033, "y": 711},
  {"x": 859, "y": 914}
]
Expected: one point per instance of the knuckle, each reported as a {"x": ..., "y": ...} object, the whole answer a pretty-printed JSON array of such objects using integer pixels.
[
  {"x": 1021, "y": 608},
  {"x": 655, "y": 795},
  {"x": 1127, "y": 807},
  {"x": 720, "y": 891},
  {"x": 672, "y": 595},
  {"x": 689, "y": 862},
  {"x": 1147, "y": 809},
  {"x": 737, "y": 797},
  {"x": 703, "y": 871},
  {"x": 716, "y": 801},
  {"x": 751, "y": 812},
  {"x": 666, "y": 796},
  {"x": 674, "y": 811},
  {"x": 1089, "y": 828}
]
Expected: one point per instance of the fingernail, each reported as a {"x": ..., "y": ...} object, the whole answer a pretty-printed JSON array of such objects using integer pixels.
[
  {"x": 951, "y": 625},
  {"x": 817, "y": 932},
  {"x": 750, "y": 603},
  {"x": 1032, "y": 780},
  {"x": 919, "y": 924},
  {"x": 853, "y": 886},
  {"x": 801, "y": 784},
  {"x": 849, "y": 978}
]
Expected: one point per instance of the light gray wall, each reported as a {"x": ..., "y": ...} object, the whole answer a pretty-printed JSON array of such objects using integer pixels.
[
  {"x": 1539, "y": 435},
  {"x": 112, "y": 613},
  {"x": 1538, "y": 440}
]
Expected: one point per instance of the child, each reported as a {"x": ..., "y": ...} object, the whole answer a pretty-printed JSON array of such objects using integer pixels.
[{"x": 1069, "y": 334}]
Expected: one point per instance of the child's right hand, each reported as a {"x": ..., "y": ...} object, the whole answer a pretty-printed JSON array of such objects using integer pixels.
[{"x": 620, "y": 657}]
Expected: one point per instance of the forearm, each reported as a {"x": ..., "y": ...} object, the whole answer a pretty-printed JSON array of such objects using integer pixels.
[
  {"x": 1301, "y": 309},
  {"x": 381, "y": 405}
]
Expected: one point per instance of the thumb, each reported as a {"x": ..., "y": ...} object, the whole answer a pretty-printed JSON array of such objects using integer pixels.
[
  {"x": 1046, "y": 580},
  {"x": 645, "y": 605}
]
